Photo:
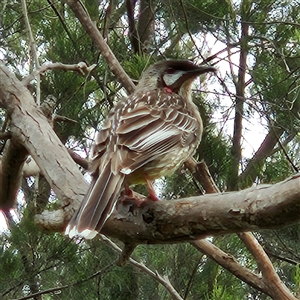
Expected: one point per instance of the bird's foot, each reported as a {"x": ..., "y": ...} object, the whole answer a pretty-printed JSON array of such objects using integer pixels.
[
  {"x": 152, "y": 196},
  {"x": 129, "y": 196}
]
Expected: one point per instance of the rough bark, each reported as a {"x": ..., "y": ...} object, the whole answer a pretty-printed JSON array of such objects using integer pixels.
[
  {"x": 31, "y": 128},
  {"x": 261, "y": 207}
]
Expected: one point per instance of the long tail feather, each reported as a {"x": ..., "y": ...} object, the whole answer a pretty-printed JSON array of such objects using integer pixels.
[{"x": 97, "y": 205}]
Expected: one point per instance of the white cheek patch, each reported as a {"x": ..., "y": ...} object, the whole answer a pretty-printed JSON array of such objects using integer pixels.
[{"x": 170, "y": 79}]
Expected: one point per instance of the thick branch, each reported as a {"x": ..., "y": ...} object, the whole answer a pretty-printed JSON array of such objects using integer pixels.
[
  {"x": 192, "y": 218},
  {"x": 270, "y": 282},
  {"x": 31, "y": 128},
  {"x": 188, "y": 219}
]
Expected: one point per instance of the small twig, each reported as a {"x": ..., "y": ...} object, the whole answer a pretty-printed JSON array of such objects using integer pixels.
[
  {"x": 192, "y": 276},
  {"x": 188, "y": 29},
  {"x": 126, "y": 253},
  {"x": 5, "y": 135},
  {"x": 80, "y": 67},
  {"x": 63, "y": 23},
  {"x": 58, "y": 118},
  {"x": 52, "y": 290},
  {"x": 83, "y": 162},
  {"x": 32, "y": 50},
  {"x": 163, "y": 280},
  {"x": 287, "y": 156},
  {"x": 282, "y": 258},
  {"x": 215, "y": 55}
]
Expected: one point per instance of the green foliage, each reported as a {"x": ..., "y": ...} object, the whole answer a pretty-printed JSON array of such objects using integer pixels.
[
  {"x": 275, "y": 172},
  {"x": 135, "y": 65},
  {"x": 297, "y": 276},
  {"x": 215, "y": 152},
  {"x": 198, "y": 15}
]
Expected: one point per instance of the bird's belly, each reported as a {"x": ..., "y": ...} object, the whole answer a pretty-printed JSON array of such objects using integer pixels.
[{"x": 164, "y": 165}]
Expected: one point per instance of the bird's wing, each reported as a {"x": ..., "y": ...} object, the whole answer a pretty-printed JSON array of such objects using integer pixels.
[{"x": 152, "y": 131}]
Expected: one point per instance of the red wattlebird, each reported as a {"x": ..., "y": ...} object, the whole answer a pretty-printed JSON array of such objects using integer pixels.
[{"x": 145, "y": 136}]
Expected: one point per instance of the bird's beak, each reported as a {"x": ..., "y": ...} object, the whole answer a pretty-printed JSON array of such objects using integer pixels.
[
  {"x": 201, "y": 70},
  {"x": 191, "y": 74}
]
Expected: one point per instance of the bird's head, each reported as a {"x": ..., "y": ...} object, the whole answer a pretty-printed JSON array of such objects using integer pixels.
[{"x": 175, "y": 76}]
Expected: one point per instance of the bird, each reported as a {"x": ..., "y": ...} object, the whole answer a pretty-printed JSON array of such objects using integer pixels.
[{"x": 146, "y": 136}]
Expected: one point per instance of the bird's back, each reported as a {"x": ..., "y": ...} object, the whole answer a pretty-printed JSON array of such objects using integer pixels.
[{"x": 151, "y": 134}]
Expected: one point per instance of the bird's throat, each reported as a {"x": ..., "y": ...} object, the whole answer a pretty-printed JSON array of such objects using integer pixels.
[{"x": 168, "y": 90}]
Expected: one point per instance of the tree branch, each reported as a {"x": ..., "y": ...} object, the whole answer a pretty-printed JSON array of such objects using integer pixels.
[
  {"x": 31, "y": 129},
  {"x": 33, "y": 51},
  {"x": 273, "y": 287},
  {"x": 11, "y": 166},
  {"x": 277, "y": 289},
  {"x": 202, "y": 175},
  {"x": 163, "y": 280},
  {"x": 81, "y": 68},
  {"x": 63, "y": 287},
  {"x": 229, "y": 263},
  {"x": 236, "y": 150},
  {"x": 192, "y": 218},
  {"x": 254, "y": 166},
  {"x": 91, "y": 29}
]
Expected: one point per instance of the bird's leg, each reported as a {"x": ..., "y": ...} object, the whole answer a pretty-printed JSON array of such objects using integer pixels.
[
  {"x": 131, "y": 197},
  {"x": 152, "y": 195},
  {"x": 128, "y": 190}
]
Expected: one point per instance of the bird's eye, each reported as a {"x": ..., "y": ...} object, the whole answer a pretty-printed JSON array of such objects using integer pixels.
[{"x": 170, "y": 71}]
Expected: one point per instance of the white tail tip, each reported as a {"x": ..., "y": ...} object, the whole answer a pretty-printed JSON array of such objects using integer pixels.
[{"x": 86, "y": 233}]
